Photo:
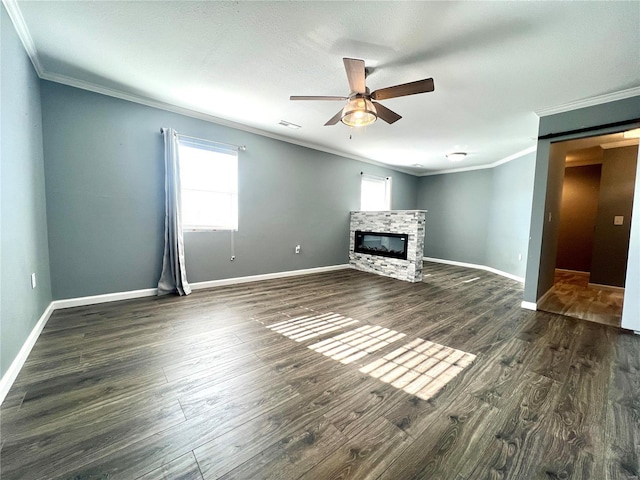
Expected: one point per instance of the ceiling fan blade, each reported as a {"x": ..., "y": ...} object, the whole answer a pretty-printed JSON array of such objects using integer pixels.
[
  {"x": 355, "y": 74},
  {"x": 411, "y": 88},
  {"x": 385, "y": 114},
  {"x": 335, "y": 119},
  {"x": 302, "y": 97}
]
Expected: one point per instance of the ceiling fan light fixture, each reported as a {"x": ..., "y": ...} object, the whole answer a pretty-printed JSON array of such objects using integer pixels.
[
  {"x": 456, "y": 156},
  {"x": 359, "y": 112}
]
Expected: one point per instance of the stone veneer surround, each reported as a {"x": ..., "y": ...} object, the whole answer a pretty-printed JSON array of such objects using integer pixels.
[{"x": 410, "y": 222}]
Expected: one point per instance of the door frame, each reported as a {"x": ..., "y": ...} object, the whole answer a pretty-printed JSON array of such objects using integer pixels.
[{"x": 545, "y": 212}]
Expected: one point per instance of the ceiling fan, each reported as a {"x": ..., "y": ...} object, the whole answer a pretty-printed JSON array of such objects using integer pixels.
[{"x": 361, "y": 109}]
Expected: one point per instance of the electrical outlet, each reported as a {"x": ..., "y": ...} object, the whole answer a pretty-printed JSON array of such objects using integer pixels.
[
  {"x": 297, "y": 248},
  {"x": 33, "y": 280},
  {"x": 520, "y": 256}
]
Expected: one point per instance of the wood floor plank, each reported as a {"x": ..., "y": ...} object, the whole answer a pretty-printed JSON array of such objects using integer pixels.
[
  {"x": 151, "y": 453},
  {"x": 359, "y": 411},
  {"x": 494, "y": 384},
  {"x": 509, "y": 453},
  {"x": 71, "y": 448},
  {"x": 572, "y": 295},
  {"x": 415, "y": 415},
  {"x": 436, "y": 453},
  {"x": 231, "y": 450},
  {"x": 363, "y": 456},
  {"x": 184, "y": 467},
  {"x": 582, "y": 400},
  {"x": 552, "y": 359},
  {"x": 292, "y": 456},
  {"x": 253, "y": 385},
  {"x": 210, "y": 385},
  {"x": 110, "y": 402},
  {"x": 622, "y": 435}
]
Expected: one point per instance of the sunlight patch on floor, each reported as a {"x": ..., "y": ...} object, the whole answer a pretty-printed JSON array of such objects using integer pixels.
[
  {"x": 355, "y": 344},
  {"x": 420, "y": 368},
  {"x": 306, "y": 327}
]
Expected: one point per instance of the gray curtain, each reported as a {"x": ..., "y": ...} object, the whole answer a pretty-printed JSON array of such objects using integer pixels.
[{"x": 174, "y": 275}]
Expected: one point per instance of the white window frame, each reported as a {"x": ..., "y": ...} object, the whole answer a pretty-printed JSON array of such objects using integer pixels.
[
  {"x": 231, "y": 188},
  {"x": 368, "y": 182}
]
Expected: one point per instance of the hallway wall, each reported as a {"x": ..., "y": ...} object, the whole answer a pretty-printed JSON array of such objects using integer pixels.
[
  {"x": 611, "y": 242},
  {"x": 578, "y": 213}
]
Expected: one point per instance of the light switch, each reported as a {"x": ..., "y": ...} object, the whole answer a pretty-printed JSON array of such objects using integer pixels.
[{"x": 618, "y": 220}]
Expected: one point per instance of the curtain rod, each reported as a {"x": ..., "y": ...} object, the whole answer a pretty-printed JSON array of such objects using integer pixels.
[
  {"x": 373, "y": 176},
  {"x": 239, "y": 147}
]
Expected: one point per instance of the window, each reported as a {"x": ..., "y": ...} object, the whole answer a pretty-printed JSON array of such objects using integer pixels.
[
  {"x": 375, "y": 193},
  {"x": 209, "y": 184}
]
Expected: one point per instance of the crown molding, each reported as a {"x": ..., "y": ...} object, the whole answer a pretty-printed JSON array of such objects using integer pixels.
[
  {"x": 629, "y": 142},
  {"x": 502, "y": 161},
  {"x": 21, "y": 28},
  {"x": 23, "y": 33},
  {"x": 589, "y": 102},
  {"x": 149, "y": 102},
  {"x": 25, "y": 37}
]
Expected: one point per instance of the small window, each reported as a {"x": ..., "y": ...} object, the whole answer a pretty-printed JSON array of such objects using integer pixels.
[
  {"x": 209, "y": 184},
  {"x": 375, "y": 193}
]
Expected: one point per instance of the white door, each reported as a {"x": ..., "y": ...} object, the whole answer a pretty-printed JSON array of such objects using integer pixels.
[{"x": 631, "y": 306}]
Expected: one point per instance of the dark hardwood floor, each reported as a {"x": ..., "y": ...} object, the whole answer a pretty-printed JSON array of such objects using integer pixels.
[
  {"x": 572, "y": 296},
  {"x": 342, "y": 375}
]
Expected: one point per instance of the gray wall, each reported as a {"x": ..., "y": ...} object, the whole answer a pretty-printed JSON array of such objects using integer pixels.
[
  {"x": 457, "y": 215},
  {"x": 611, "y": 242},
  {"x": 590, "y": 117},
  {"x": 105, "y": 198},
  {"x": 480, "y": 216},
  {"x": 551, "y": 221},
  {"x": 510, "y": 207},
  {"x": 22, "y": 196},
  {"x": 578, "y": 211},
  {"x": 540, "y": 261}
]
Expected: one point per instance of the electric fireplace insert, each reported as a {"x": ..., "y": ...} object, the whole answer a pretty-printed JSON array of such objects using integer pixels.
[{"x": 393, "y": 245}]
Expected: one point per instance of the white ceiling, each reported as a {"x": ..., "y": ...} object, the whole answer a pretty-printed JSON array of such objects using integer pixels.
[{"x": 494, "y": 64}]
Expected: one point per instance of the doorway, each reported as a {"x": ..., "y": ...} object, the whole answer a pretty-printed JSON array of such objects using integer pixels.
[{"x": 594, "y": 227}]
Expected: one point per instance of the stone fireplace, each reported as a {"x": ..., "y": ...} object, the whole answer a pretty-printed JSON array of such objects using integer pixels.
[{"x": 389, "y": 243}]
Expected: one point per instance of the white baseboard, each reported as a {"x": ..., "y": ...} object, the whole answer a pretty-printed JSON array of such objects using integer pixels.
[
  {"x": 477, "y": 267},
  {"x": 150, "y": 292},
  {"x": 606, "y": 287},
  {"x": 546, "y": 295},
  {"x": 265, "y": 276},
  {"x": 14, "y": 369},
  {"x": 573, "y": 272},
  {"x": 105, "y": 298},
  {"x": 529, "y": 305}
]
